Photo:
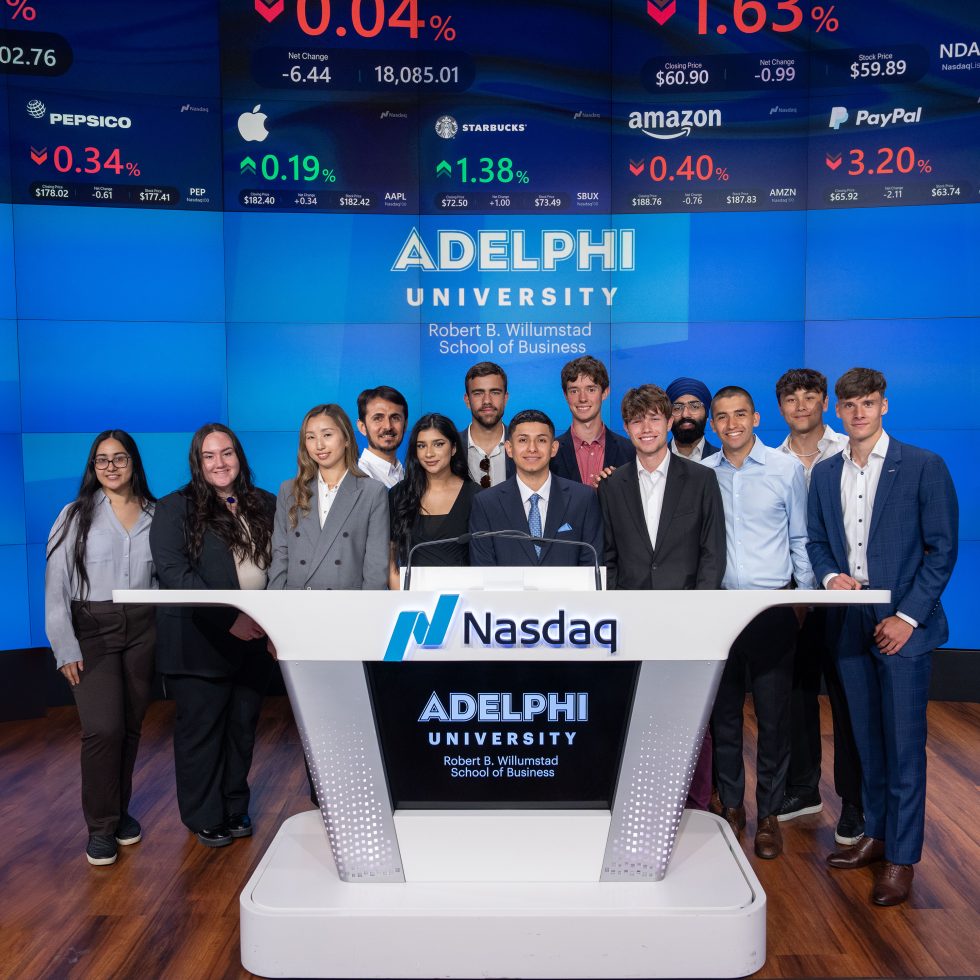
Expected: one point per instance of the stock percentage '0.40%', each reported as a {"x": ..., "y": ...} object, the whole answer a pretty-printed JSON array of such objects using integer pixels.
[
  {"x": 367, "y": 18},
  {"x": 296, "y": 168},
  {"x": 701, "y": 168}
]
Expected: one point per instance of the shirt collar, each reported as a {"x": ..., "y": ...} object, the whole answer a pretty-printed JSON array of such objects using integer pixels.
[
  {"x": 322, "y": 487},
  {"x": 661, "y": 469},
  {"x": 600, "y": 440},
  {"x": 474, "y": 447},
  {"x": 880, "y": 447},
  {"x": 698, "y": 449},
  {"x": 828, "y": 439},
  {"x": 526, "y": 491}
]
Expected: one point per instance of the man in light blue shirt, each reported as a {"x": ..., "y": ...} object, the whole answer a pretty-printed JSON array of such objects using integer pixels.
[{"x": 764, "y": 495}]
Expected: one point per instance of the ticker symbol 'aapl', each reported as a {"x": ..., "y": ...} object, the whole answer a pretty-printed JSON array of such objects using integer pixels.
[{"x": 251, "y": 125}]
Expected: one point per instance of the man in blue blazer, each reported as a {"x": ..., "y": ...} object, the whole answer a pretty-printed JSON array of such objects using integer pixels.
[
  {"x": 588, "y": 450},
  {"x": 883, "y": 515},
  {"x": 537, "y": 503}
]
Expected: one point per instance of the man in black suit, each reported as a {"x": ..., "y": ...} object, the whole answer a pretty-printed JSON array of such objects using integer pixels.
[
  {"x": 535, "y": 502},
  {"x": 664, "y": 525},
  {"x": 588, "y": 450},
  {"x": 689, "y": 399}
]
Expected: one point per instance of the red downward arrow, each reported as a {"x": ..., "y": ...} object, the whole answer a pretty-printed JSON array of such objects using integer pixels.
[
  {"x": 270, "y": 11},
  {"x": 637, "y": 168},
  {"x": 833, "y": 160},
  {"x": 39, "y": 156},
  {"x": 661, "y": 10}
]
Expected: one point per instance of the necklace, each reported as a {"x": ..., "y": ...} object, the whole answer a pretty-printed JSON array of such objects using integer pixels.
[{"x": 803, "y": 455}]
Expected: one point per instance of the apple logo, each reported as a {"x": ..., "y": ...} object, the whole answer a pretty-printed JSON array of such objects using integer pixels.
[{"x": 251, "y": 125}]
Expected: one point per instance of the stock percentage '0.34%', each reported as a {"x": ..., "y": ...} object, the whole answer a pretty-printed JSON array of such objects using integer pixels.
[
  {"x": 295, "y": 168},
  {"x": 368, "y": 18},
  {"x": 89, "y": 160}
]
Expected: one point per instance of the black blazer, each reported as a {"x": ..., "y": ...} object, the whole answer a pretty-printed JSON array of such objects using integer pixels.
[
  {"x": 195, "y": 639},
  {"x": 690, "y": 551},
  {"x": 573, "y": 514},
  {"x": 619, "y": 450},
  {"x": 464, "y": 438}
]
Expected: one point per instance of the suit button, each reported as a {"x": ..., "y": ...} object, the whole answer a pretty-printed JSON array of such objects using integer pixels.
[
  {"x": 302, "y": 561},
  {"x": 337, "y": 562},
  {"x": 297, "y": 534},
  {"x": 309, "y": 588},
  {"x": 346, "y": 535}
]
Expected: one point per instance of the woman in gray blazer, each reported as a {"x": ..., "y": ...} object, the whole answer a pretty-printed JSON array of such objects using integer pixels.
[{"x": 331, "y": 528}]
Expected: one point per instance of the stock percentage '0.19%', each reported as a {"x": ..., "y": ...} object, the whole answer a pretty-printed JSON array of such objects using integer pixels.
[
  {"x": 367, "y": 18},
  {"x": 296, "y": 168}
]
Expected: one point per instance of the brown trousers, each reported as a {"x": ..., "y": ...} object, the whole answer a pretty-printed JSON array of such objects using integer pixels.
[{"x": 112, "y": 697}]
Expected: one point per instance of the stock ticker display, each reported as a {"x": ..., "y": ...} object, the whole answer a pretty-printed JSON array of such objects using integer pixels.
[{"x": 234, "y": 209}]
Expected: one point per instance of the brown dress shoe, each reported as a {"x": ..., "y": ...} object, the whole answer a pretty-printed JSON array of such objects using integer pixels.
[
  {"x": 714, "y": 806},
  {"x": 768, "y": 838},
  {"x": 735, "y": 816},
  {"x": 866, "y": 851},
  {"x": 893, "y": 885}
]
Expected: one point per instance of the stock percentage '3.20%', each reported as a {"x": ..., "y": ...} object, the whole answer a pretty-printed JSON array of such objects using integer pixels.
[
  {"x": 701, "y": 168},
  {"x": 368, "y": 18},
  {"x": 885, "y": 160},
  {"x": 296, "y": 168},
  {"x": 484, "y": 171},
  {"x": 89, "y": 160}
]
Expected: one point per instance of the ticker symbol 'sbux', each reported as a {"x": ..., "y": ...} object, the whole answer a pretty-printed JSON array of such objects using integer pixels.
[{"x": 251, "y": 125}]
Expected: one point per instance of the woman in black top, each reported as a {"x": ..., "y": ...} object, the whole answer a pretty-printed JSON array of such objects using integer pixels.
[{"x": 433, "y": 501}]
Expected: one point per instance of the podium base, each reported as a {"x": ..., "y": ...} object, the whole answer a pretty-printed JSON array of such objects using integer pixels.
[{"x": 707, "y": 918}]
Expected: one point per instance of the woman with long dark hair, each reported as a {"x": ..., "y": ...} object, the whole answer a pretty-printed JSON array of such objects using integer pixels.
[
  {"x": 331, "y": 520},
  {"x": 214, "y": 533},
  {"x": 433, "y": 501},
  {"x": 100, "y": 542}
]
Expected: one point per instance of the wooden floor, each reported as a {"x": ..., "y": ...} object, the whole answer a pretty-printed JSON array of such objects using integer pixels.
[{"x": 169, "y": 907}]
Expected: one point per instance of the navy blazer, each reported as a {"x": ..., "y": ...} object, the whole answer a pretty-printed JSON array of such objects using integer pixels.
[
  {"x": 618, "y": 450},
  {"x": 573, "y": 514},
  {"x": 350, "y": 551},
  {"x": 912, "y": 540}
]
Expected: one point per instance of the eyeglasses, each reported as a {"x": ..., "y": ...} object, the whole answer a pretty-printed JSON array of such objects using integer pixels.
[
  {"x": 485, "y": 466},
  {"x": 680, "y": 407},
  {"x": 119, "y": 461}
]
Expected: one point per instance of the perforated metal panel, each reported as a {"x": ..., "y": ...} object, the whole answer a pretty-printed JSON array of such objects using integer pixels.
[
  {"x": 335, "y": 720},
  {"x": 662, "y": 747}
]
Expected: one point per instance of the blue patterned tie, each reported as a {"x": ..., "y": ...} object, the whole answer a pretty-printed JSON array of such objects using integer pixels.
[{"x": 534, "y": 521}]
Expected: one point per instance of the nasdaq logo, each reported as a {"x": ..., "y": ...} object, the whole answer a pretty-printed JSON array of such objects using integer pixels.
[{"x": 416, "y": 625}]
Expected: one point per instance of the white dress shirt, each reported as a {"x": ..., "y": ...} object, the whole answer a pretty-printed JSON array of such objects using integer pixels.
[
  {"x": 696, "y": 453},
  {"x": 830, "y": 444},
  {"x": 652, "y": 486},
  {"x": 498, "y": 460},
  {"x": 380, "y": 469},
  {"x": 544, "y": 493},
  {"x": 325, "y": 496}
]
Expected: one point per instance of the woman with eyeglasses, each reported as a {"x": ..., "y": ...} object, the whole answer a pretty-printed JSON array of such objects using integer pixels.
[
  {"x": 100, "y": 542},
  {"x": 433, "y": 501},
  {"x": 214, "y": 533}
]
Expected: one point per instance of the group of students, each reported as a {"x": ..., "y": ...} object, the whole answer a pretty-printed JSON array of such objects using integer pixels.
[{"x": 657, "y": 520}]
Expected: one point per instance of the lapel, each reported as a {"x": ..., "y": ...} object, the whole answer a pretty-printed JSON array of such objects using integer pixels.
[
  {"x": 557, "y": 509},
  {"x": 514, "y": 517},
  {"x": 339, "y": 512},
  {"x": 566, "y": 453},
  {"x": 310, "y": 524},
  {"x": 836, "y": 472},
  {"x": 673, "y": 491},
  {"x": 634, "y": 505},
  {"x": 890, "y": 470}
]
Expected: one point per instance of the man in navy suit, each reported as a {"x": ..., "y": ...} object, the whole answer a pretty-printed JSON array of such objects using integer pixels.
[
  {"x": 535, "y": 502},
  {"x": 588, "y": 450},
  {"x": 883, "y": 515}
]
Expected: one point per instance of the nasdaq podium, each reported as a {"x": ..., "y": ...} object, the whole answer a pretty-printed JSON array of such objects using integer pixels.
[{"x": 502, "y": 761}]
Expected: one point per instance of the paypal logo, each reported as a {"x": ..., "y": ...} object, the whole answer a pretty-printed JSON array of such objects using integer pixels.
[
  {"x": 418, "y": 626},
  {"x": 838, "y": 115}
]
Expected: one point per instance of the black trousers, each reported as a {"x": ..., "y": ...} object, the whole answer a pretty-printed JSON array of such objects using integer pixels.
[
  {"x": 815, "y": 660},
  {"x": 112, "y": 696},
  {"x": 214, "y": 737},
  {"x": 763, "y": 650}
]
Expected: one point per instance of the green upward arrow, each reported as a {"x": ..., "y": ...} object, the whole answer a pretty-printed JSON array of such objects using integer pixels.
[{"x": 444, "y": 168}]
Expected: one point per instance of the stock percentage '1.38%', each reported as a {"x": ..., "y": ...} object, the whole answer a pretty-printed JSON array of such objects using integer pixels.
[
  {"x": 486, "y": 170},
  {"x": 368, "y": 18}
]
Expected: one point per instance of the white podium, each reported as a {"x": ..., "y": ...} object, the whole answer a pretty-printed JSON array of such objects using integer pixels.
[{"x": 368, "y": 889}]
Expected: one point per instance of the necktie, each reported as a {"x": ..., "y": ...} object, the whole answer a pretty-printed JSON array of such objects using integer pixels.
[{"x": 534, "y": 521}]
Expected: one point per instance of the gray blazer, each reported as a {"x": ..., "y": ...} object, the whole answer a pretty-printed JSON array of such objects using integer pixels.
[{"x": 349, "y": 552}]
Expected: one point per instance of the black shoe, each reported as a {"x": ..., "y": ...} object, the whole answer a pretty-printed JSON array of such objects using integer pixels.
[
  {"x": 214, "y": 836},
  {"x": 850, "y": 827},
  {"x": 239, "y": 825},
  {"x": 101, "y": 849},
  {"x": 129, "y": 831},
  {"x": 798, "y": 806}
]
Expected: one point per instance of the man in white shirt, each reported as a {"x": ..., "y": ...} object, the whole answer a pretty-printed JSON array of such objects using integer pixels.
[
  {"x": 801, "y": 394},
  {"x": 483, "y": 440},
  {"x": 883, "y": 515},
  {"x": 382, "y": 414}
]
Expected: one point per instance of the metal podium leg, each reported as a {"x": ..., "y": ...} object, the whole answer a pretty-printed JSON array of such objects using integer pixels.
[
  {"x": 336, "y": 723},
  {"x": 670, "y": 713}
]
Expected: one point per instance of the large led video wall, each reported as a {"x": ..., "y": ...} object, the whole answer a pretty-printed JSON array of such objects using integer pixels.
[{"x": 234, "y": 210}]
